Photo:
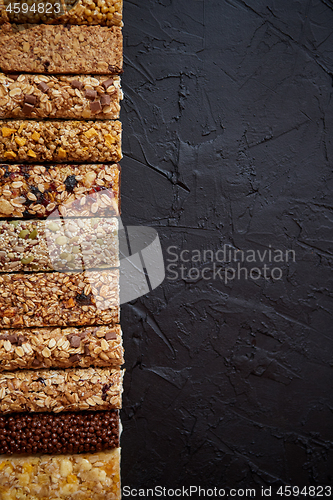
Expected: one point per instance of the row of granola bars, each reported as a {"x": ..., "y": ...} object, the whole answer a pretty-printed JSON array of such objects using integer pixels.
[{"x": 60, "y": 340}]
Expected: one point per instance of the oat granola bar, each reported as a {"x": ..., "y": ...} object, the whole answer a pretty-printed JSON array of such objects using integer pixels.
[
  {"x": 60, "y": 390},
  {"x": 75, "y": 97},
  {"x": 103, "y": 12},
  {"x": 75, "y": 190},
  {"x": 60, "y": 49},
  {"x": 36, "y": 348},
  {"x": 60, "y": 141},
  {"x": 58, "y": 244},
  {"x": 59, "y": 299},
  {"x": 93, "y": 476},
  {"x": 72, "y": 432}
]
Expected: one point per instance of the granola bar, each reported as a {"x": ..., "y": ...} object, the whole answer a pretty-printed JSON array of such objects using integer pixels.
[
  {"x": 60, "y": 141},
  {"x": 31, "y": 348},
  {"x": 60, "y": 49},
  {"x": 103, "y": 12},
  {"x": 72, "y": 477},
  {"x": 59, "y": 245},
  {"x": 76, "y": 97},
  {"x": 60, "y": 390},
  {"x": 82, "y": 432},
  {"x": 74, "y": 190},
  {"x": 59, "y": 299}
]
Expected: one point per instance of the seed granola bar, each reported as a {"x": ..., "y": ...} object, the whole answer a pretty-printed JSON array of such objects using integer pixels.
[{"x": 58, "y": 244}]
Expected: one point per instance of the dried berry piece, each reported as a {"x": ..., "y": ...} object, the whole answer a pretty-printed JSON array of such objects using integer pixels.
[
  {"x": 70, "y": 183},
  {"x": 83, "y": 299}
]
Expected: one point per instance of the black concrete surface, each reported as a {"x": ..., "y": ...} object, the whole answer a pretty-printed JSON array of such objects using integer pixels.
[{"x": 228, "y": 140}]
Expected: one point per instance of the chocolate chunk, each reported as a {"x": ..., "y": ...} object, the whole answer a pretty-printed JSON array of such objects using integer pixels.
[
  {"x": 110, "y": 335},
  {"x": 12, "y": 77},
  {"x": 82, "y": 335},
  {"x": 86, "y": 350},
  {"x": 43, "y": 87},
  {"x": 13, "y": 339},
  {"x": 30, "y": 99},
  {"x": 21, "y": 340},
  {"x": 70, "y": 183},
  {"x": 27, "y": 108},
  {"x": 107, "y": 83},
  {"x": 75, "y": 358},
  {"x": 105, "y": 100},
  {"x": 36, "y": 363},
  {"x": 76, "y": 84},
  {"x": 90, "y": 94},
  {"x": 74, "y": 340},
  {"x": 95, "y": 106}
]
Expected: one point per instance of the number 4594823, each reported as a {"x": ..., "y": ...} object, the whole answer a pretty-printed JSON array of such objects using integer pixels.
[
  {"x": 307, "y": 491},
  {"x": 40, "y": 8}
]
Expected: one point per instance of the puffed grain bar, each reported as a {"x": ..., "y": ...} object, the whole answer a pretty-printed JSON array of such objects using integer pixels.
[
  {"x": 60, "y": 141},
  {"x": 60, "y": 390},
  {"x": 59, "y": 244},
  {"x": 72, "y": 477},
  {"x": 59, "y": 299},
  {"x": 59, "y": 433},
  {"x": 75, "y": 97},
  {"x": 104, "y": 13},
  {"x": 60, "y": 49},
  {"x": 29, "y": 191},
  {"x": 36, "y": 348}
]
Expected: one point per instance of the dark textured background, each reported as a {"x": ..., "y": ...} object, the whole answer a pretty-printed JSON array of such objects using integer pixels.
[{"x": 228, "y": 138}]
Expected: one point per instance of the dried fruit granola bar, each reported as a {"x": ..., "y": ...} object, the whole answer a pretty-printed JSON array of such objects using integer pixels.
[
  {"x": 36, "y": 348},
  {"x": 60, "y": 390},
  {"x": 76, "y": 97},
  {"x": 72, "y": 432},
  {"x": 91, "y": 476},
  {"x": 75, "y": 190},
  {"x": 59, "y": 245},
  {"x": 59, "y": 299},
  {"x": 60, "y": 141},
  {"x": 103, "y": 12},
  {"x": 60, "y": 49}
]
